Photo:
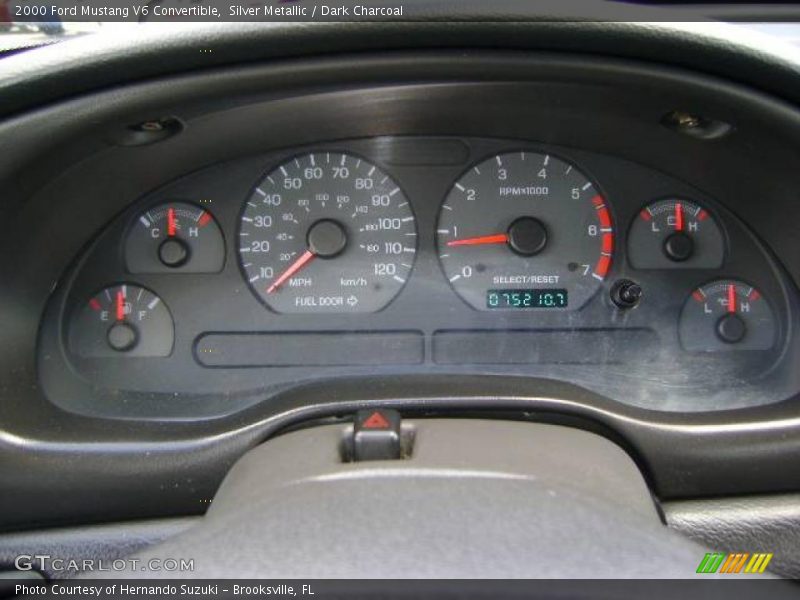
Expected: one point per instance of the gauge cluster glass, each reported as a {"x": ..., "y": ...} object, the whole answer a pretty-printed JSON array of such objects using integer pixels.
[{"x": 370, "y": 258}]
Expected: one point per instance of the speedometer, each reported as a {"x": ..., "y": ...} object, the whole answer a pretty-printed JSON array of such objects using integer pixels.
[
  {"x": 525, "y": 230},
  {"x": 327, "y": 232}
]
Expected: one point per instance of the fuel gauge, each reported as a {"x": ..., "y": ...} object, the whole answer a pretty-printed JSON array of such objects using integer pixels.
[
  {"x": 727, "y": 315},
  {"x": 675, "y": 233},
  {"x": 175, "y": 237},
  {"x": 125, "y": 320}
]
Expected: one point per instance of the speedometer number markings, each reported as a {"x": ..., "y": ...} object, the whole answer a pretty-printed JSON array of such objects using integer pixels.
[{"x": 327, "y": 232}]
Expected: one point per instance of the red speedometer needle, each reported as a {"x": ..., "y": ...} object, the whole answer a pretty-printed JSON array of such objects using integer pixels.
[
  {"x": 678, "y": 216},
  {"x": 120, "y": 306},
  {"x": 301, "y": 262},
  {"x": 731, "y": 298},
  {"x": 172, "y": 226},
  {"x": 500, "y": 238}
]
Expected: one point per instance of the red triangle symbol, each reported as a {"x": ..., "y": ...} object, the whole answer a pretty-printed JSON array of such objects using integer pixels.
[{"x": 376, "y": 421}]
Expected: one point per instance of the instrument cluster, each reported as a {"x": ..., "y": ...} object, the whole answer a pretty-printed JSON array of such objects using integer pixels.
[{"x": 491, "y": 256}]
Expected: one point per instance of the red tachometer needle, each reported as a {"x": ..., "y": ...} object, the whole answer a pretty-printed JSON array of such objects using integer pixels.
[
  {"x": 172, "y": 226},
  {"x": 301, "y": 262},
  {"x": 678, "y": 216},
  {"x": 120, "y": 306},
  {"x": 731, "y": 298},
  {"x": 500, "y": 238}
]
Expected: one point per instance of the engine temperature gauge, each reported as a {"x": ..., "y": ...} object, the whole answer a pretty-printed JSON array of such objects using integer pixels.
[
  {"x": 675, "y": 233},
  {"x": 727, "y": 315},
  {"x": 175, "y": 237},
  {"x": 122, "y": 320}
]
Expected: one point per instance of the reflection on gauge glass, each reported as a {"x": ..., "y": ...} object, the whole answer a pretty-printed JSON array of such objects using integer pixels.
[
  {"x": 727, "y": 315},
  {"x": 327, "y": 232},
  {"x": 525, "y": 231},
  {"x": 673, "y": 234},
  {"x": 122, "y": 320},
  {"x": 175, "y": 237}
]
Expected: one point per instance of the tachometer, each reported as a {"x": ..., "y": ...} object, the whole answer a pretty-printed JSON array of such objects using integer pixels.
[
  {"x": 525, "y": 231},
  {"x": 327, "y": 232}
]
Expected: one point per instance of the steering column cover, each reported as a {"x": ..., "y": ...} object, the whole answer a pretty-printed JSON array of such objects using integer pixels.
[{"x": 499, "y": 499}]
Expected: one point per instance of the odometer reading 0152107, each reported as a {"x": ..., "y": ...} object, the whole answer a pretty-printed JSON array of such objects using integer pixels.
[
  {"x": 524, "y": 230},
  {"x": 327, "y": 232}
]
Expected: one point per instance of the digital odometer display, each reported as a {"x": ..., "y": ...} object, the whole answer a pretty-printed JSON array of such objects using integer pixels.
[{"x": 543, "y": 298}]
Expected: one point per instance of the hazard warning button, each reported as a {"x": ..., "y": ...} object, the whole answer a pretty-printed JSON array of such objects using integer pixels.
[{"x": 376, "y": 435}]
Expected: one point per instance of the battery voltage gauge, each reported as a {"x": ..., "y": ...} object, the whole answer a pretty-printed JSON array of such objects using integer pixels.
[{"x": 675, "y": 234}]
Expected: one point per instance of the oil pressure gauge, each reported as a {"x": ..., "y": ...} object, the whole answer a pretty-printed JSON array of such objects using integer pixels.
[
  {"x": 175, "y": 236},
  {"x": 727, "y": 315},
  {"x": 673, "y": 234}
]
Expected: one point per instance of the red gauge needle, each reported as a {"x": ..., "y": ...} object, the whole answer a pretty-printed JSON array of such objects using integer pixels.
[
  {"x": 731, "y": 298},
  {"x": 172, "y": 226},
  {"x": 678, "y": 216},
  {"x": 120, "y": 306},
  {"x": 500, "y": 238},
  {"x": 301, "y": 262}
]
